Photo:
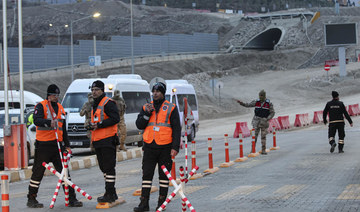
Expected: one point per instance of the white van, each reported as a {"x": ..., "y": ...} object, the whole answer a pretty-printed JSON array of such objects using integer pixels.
[
  {"x": 176, "y": 90},
  {"x": 133, "y": 90},
  {"x": 30, "y": 99}
]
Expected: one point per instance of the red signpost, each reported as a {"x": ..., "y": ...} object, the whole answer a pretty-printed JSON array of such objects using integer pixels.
[{"x": 327, "y": 67}]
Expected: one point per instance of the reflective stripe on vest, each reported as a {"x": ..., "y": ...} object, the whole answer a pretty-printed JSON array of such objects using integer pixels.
[
  {"x": 159, "y": 127},
  {"x": 48, "y": 133},
  {"x": 100, "y": 115}
]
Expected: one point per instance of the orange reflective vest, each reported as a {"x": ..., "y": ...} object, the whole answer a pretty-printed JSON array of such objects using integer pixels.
[
  {"x": 159, "y": 128},
  {"x": 48, "y": 133},
  {"x": 99, "y": 116}
]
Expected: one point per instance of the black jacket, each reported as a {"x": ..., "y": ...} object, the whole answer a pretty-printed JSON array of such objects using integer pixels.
[
  {"x": 143, "y": 119},
  {"x": 337, "y": 111},
  {"x": 111, "y": 110},
  {"x": 41, "y": 122}
]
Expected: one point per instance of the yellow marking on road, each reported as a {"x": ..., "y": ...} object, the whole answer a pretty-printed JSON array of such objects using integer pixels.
[
  {"x": 134, "y": 171},
  {"x": 287, "y": 191},
  {"x": 352, "y": 191},
  {"x": 241, "y": 190},
  {"x": 249, "y": 164}
]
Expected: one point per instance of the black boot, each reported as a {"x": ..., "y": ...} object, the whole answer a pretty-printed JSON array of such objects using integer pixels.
[
  {"x": 263, "y": 150},
  {"x": 161, "y": 200},
  {"x": 143, "y": 206},
  {"x": 108, "y": 197},
  {"x": 32, "y": 202},
  {"x": 333, "y": 145},
  {"x": 341, "y": 146}
]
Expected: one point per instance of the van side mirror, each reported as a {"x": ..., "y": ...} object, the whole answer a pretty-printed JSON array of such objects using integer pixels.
[{"x": 33, "y": 129}]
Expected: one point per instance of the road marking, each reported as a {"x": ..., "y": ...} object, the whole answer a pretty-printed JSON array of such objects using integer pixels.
[
  {"x": 351, "y": 191},
  {"x": 119, "y": 191},
  {"x": 287, "y": 191},
  {"x": 21, "y": 194},
  {"x": 192, "y": 189},
  {"x": 241, "y": 190},
  {"x": 249, "y": 164}
]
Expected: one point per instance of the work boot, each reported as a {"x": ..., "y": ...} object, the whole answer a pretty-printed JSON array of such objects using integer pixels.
[
  {"x": 333, "y": 145},
  {"x": 122, "y": 147},
  {"x": 107, "y": 198},
  {"x": 32, "y": 202},
  {"x": 341, "y": 146},
  {"x": 263, "y": 151},
  {"x": 73, "y": 202},
  {"x": 143, "y": 206},
  {"x": 161, "y": 200}
]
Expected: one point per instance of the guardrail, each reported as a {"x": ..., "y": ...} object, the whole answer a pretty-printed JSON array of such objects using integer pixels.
[{"x": 126, "y": 61}]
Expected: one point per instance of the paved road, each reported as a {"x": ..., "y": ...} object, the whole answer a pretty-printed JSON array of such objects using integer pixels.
[{"x": 301, "y": 176}]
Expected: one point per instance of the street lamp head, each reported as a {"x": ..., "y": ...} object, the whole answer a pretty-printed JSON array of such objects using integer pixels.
[
  {"x": 66, "y": 26},
  {"x": 50, "y": 25},
  {"x": 96, "y": 15}
]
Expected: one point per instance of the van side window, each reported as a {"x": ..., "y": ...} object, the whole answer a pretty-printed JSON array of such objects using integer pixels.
[
  {"x": 135, "y": 100},
  {"x": 167, "y": 97},
  {"x": 191, "y": 100}
]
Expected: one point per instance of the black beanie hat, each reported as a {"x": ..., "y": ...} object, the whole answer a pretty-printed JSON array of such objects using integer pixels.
[
  {"x": 334, "y": 94},
  {"x": 53, "y": 89},
  {"x": 98, "y": 84},
  {"x": 160, "y": 87}
]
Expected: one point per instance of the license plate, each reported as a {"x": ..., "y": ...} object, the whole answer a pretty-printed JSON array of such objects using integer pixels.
[{"x": 76, "y": 143}]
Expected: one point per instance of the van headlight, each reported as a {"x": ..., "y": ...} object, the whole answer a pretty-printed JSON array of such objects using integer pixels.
[{"x": 2, "y": 141}]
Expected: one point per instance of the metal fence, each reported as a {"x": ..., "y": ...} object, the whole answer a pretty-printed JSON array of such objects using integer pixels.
[{"x": 50, "y": 56}]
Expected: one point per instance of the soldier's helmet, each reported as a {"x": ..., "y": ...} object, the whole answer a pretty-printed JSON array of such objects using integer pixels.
[{"x": 116, "y": 93}]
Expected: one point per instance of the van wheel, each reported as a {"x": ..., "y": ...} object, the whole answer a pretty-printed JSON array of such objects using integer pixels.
[
  {"x": 191, "y": 136},
  {"x": 140, "y": 143}
]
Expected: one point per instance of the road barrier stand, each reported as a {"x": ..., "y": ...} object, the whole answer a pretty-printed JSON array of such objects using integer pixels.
[
  {"x": 179, "y": 188},
  {"x": 173, "y": 171},
  {"x": 274, "y": 142},
  {"x": 253, "y": 145},
  {"x": 227, "y": 163},
  {"x": 193, "y": 161},
  {"x": 5, "y": 193},
  {"x": 211, "y": 168},
  {"x": 66, "y": 156},
  {"x": 241, "y": 158},
  {"x": 193, "y": 154},
  {"x": 182, "y": 179},
  {"x": 75, "y": 187}
]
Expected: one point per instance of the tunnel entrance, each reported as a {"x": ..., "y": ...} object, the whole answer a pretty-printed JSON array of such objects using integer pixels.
[{"x": 265, "y": 40}]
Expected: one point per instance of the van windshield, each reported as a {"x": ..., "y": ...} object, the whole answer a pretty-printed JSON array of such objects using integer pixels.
[
  {"x": 191, "y": 100},
  {"x": 135, "y": 100},
  {"x": 75, "y": 101}
]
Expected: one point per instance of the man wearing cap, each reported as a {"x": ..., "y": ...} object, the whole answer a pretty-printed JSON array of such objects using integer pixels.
[
  {"x": 336, "y": 111},
  {"x": 49, "y": 118},
  {"x": 264, "y": 111},
  {"x": 161, "y": 124},
  {"x": 104, "y": 138}
]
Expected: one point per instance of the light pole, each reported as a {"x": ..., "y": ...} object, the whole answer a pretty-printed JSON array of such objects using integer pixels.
[
  {"x": 95, "y": 15},
  {"x": 132, "y": 38},
  {"x": 57, "y": 29}
]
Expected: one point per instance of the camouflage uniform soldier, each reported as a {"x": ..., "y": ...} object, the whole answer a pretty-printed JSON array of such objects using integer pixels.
[
  {"x": 120, "y": 103},
  {"x": 264, "y": 111},
  {"x": 86, "y": 111}
]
